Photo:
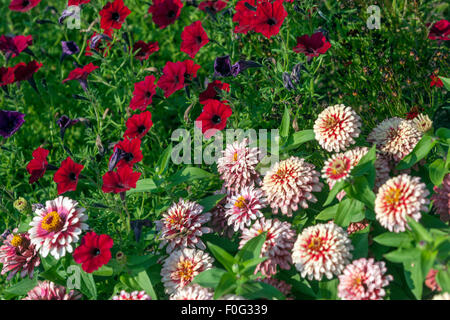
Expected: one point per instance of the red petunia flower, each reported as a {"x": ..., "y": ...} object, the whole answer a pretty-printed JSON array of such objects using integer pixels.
[
  {"x": 213, "y": 117},
  {"x": 81, "y": 75},
  {"x": 38, "y": 165},
  {"x": 6, "y": 76},
  {"x": 94, "y": 251},
  {"x": 212, "y": 91},
  {"x": 145, "y": 49},
  {"x": 244, "y": 15},
  {"x": 95, "y": 42},
  {"x": 436, "y": 81},
  {"x": 191, "y": 68},
  {"x": 24, "y": 71},
  {"x": 269, "y": 17},
  {"x": 113, "y": 15},
  {"x": 213, "y": 6},
  {"x": 312, "y": 46},
  {"x": 193, "y": 38},
  {"x": 172, "y": 78},
  {"x": 131, "y": 151},
  {"x": 440, "y": 31},
  {"x": 143, "y": 93},
  {"x": 138, "y": 125},
  {"x": 23, "y": 5},
  {"x": 121, "y": 180},
  {"x": 77, "y": 2},
  {"x": 12, "y": 46},
  {"x": 165, "y": 12},
  {"x": 67, "y": 175}
]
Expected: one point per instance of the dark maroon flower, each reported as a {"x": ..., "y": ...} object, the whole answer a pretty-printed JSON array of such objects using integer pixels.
[
  {"x": 191, "y": 69},
  {"x": 81, "y": 75},
  {"x": 67, "y": 175},
  {"x": 245, "y": 13},
  {"x": 212, "y": 91},
  {"x": 6, "y": 76},
  {"x": 94, "y": 43},
  {"x": 113, "y": 15},
  {"x": 440, "y": 31},
  {"x": 12, "y": 46},
  {"x": 138, "y": 125},
  {"x": 77, "y": 2},
  {"x": 143, "y": 50},
  {"x": 38, "y": 165},
  {"x": 165, "y": 12},
  {"x": 193, "y": 38},
  {"x": 312, "y": 46},
  {"x": 23, "y": 5},
  {"x": 64, "y": 122},
  {"x": 212, "y": 6},
  {"x": 94, "y": 251},
  {"x": 25, "y": 71},
  {"x": 143, "y": 93},
  {"x": 213, "y": 117},
  {"x": 10, "y": 122},
  {"x": 172, "y": 78},
  {"x": 436, "y": 81},
  {"x": 223, "y": 67},
  {"x": 122, "y": 180}
]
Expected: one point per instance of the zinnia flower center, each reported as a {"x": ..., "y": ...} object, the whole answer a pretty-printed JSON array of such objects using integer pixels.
[
  {"x": 235, "y": 157},
  {"x": 185, "y": 270},
  {"x": 216, "y": 119},
  {"x": 339, "y": 166},
  {"x": 393, "y": 196},
  {"x": 241, "y": 202},
  {"x": 315, "y": 244},
  {"x": 331, "y": 122},
  {"x": 52, "y": 222},
  {"x": 16, "y": 241}
]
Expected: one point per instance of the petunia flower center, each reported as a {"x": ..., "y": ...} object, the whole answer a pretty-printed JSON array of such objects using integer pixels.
[
  {"x": 240, "y": 203},
  {"x": 72, "y": 176},
  {"x": 216, "y": 119},
  {"x": 95, "y": 252},
  {"x": 25, "y": 3},
  {"x": 52, "y": 222},
  {"x": 315, "y": 244},
  {"x": 393, "y": 196},
  {"x": 16, "y": 241},
  {"x": 170, "y": 14},
  {"x": 115, "y": 16},
  {"x": 271, "y": 22},
  {"x": 185, "y": 270},
  {"x": 128, "y": 156},
  {"x": 141, "y": 129},
  {"x": 198, "y": 39}
]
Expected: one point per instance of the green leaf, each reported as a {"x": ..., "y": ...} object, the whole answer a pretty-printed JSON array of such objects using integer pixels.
[
  {"x": 210, "y": 202},
  {"x": 209, "y": 278},
  {"x": 328, "y": 289},
  {"x": 437, "y": 171},
  {"x": 296, "y": 139},
  {"x": 227, "y": 285},
  {"x": 328, "y": 213},
  {"x": 88, "y": 286},
  {"x": 391, "y": 239},
  {"x": 261, "y": 290},
  {"x": 163, "y": 161},
  {"x": 22, "y": 287},
  {"x": 145, "y": 283},
  {"x": 347, "y": 210},
  {"x": 443, "y": 279},
  {"x": 403, "y": 255},
  {"x": 285, "y": 123},
  {"x": 446, "y": 82},
  {"x": 366, "y": 164},
  {"x": 25, "y": 225},
  {"x": 189, "y": 174},
  {"x": 104, "y": 271},
  {"x": 360, "y": 241},
  {"x": 252, "y": 248},
  {"x": 226, "y": 259},
  {"x": 414, "y": 277},
  {"x": 421, "y": 150},
  {"x": 144, "y": 185},
  {"x": 419, "y": 230},
  {"x": 302, "y": 286},
  {"x": 250, "y": 265},
  {"x": 361, "y": 191},
  {"x": 443, "y": 134},
  {"x": 338, "y": 186}
]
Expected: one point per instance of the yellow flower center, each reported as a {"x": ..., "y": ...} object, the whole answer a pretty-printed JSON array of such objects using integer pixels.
[
  {"x": 185, "y": 270},
  {"x": 235, "y": 157},
  {"x": 17, "y": 240},
  {"x": 240, "y": 202},
  {"x": 315, "y": 244},
  {"x": 52, "y": 222},
  {"x": 331, "y": 122},
  {"x": 338, "y": 166},
  {"x": 393, "y": 196}
]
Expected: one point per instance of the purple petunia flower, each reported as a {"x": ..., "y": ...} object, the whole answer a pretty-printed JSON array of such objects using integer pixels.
[
  {"x": 10, "y": 122},
  {"x": 223, "y": 67},
  {"x": 64, "y": 122},
  {"x": 68, "y": 48}
]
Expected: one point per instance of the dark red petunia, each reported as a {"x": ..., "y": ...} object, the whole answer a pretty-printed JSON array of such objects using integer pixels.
[
  {"x": 6, "y": 76},
  {"x": 23, "y": 5},
  {"x": 312, "y": 46},
  {"x": 244, "y": 16},
  {"x": 172, "y": 78},
  {"x": 67, "y": 175},
  {"x": 213, "y": 6},
  {"x": 121, "y": 180},
  {"x": 191, "y": 69},
  {"x": 131, "y": 152},
  {"x": 94, "y": 251},
  {"x": 144, "y": 50},
  {"x": 12, "y": 46},
  {"x": 38, "y": 165},
  {"x": 211, "y": 91},
  {"x": 213, "y": 117},
  {"x": 81, "y": 75},
  {"x": 269, "y": 17},
  {"x": 24, "y": 71},
  {"x": 138, "y": 125},
  {"x": 436, "y": 81},
  {"x": 77, "y": 2},
  {"x": 165, "y": 12},
  {"x": 143, "y": 93},
  {"x": 440, "y": 31},
  {"x": 96, "y": 40},
  {"x": 113, "y": 15},
  {"x": 193, "y": 38}
]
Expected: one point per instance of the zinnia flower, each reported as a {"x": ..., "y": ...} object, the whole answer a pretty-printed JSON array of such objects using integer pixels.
[
  {"x": 363, "y": 279},
  {"x": 322, "y": 249},
  {"x": 165, "y": 12},
  {"x": 218, "y": 222},
  {"x": 441, "y": 199},
  {"x": 193, "y": 38},
  {"x": 422, "y": 123},
  {"x": 23, "y": 5},
  {"x": 138, "y": 125},
  {"x": 382, "y": 170},
  {"x": 400, "y": 197},
  {"x": 10, "y": 122},
  {"x": 269, "y": 17},
  {"x": 279, "y": 242},
  {"x": 243, "y": 207},
  {"x": 143, "y": 50},
  {"x": 135, "y": 295},
  {"x": 312, "y": 46},
  {"x": 440, "y": 30},
  {"x": 113, "y": 15},
  {"x": 181, "y": 267},
  {"x": 442, "y": 296},
  {"x": 67, "y": 175},
  {"x": 121, "y": 180},
  {"x": 289, "y": 183},
  {"x": 182, "y": 226},
  {"x": 193, "y": 292},
  {"x": 47, "y": 290},
  {"x": 237, "y": 166},
  {"x": 280, "y": 285},
  {"x": 143, "y": 93},
  {"x": 395, "y": 137},
  {"x": 38, "y": 165},
  {"x": 430, "y": 280},
  {"x": 56, "y": 226},
  {"x": 18, "y": 255},
  {"x": 336, "y": 127},
  {"x": 172, "y": 78},
  {"x": 94, "y": 251},
  {"x": 357, "y": 226},
  {"x": 213, "y": 117}
]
